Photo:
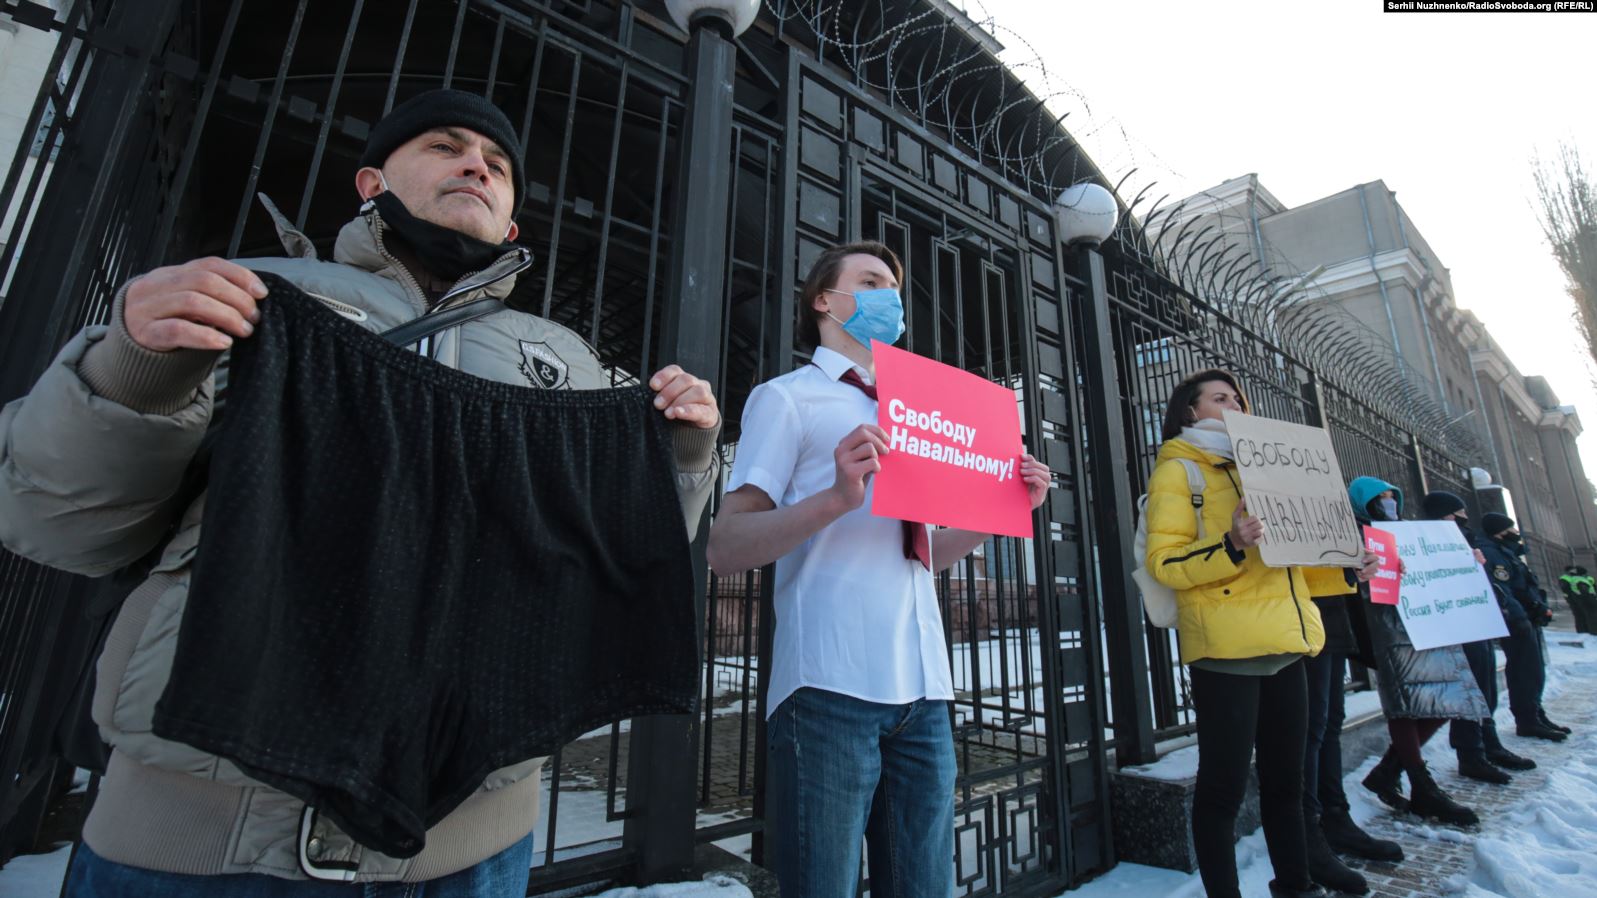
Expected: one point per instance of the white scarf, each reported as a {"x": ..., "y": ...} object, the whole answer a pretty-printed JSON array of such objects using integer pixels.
[{"x": 1209, "y": 434}]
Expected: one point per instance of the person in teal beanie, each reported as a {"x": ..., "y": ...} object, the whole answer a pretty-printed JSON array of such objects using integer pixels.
[{"x": 1420, "y": 689}]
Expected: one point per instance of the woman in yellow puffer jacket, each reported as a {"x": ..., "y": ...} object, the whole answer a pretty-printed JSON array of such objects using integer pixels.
[{"x": 1244, "y": 630}]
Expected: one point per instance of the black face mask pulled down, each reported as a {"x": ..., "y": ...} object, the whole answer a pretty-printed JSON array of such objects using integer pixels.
[{"x": 445, "y": 253}]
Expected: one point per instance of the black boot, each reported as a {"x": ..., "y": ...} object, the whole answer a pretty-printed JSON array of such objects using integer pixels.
[
  {"x": 1500, "y": 756},
  {"x": 1346, "y": 838},
  {"x": 1386, "y": 781},
  {"x": 1479, "y": 768},
  {"x": 1308, "y": 890},
  {"x": 1325, "y": 867},
  {"x": 1426, "y": 799},
  {"x": 1536, "y": 730},
  {"x": 1541, "y": 718}
]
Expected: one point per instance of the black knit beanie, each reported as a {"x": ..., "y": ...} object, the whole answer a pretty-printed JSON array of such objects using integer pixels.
[
  {"x": 443, "y": 109},
  {"x": 1439, "y": 504},
  {"x": 1493, "y": 523}
]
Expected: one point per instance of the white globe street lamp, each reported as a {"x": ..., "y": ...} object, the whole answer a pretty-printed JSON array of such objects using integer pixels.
[
  {"x": 1086, "y": 213},
  {"x": 739, "y": 14}
]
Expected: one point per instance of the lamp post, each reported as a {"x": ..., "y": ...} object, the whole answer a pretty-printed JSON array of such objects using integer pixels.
[
  {"x": 692, "y": 319},
  {"x": 1086, "y": 214},
  {"x": 659, "y": 825}
]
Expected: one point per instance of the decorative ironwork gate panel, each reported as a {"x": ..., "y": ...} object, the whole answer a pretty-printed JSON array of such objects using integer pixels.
[
  {"x": 160, "y": 120},
  {"x": 157, "y": 125}
]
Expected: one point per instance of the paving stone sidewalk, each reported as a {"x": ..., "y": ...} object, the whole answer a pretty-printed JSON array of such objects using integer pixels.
[{"x": 1438, "y": 857}]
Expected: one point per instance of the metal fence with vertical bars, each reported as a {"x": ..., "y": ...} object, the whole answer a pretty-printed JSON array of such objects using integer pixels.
[{"x": 159, "y": 122}]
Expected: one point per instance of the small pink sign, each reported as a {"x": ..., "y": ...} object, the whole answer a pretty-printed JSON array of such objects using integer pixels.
[
  {"x": 1383, "y": 586},
  {"x": 953, "y": 447}
]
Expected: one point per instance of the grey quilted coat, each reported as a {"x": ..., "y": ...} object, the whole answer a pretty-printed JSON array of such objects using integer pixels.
[
  {"x": 90, "y": 461},
  {"x": 1434, "y": 683}
]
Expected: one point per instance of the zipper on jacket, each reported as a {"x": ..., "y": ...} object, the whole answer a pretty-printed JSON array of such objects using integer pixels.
[
  {"x": 1303, "y": 625},
  {"x": 369, "y": 208},
  {"x": 461, "y": 286}
]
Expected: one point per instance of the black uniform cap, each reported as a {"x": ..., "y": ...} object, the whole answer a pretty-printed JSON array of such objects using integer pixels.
[
  {"x": 1493, "y": 523},
  {"x": 1438, "y": 504}
]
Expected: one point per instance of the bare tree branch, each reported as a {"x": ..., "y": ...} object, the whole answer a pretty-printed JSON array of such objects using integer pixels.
[{"x": 1567, "y": 209}]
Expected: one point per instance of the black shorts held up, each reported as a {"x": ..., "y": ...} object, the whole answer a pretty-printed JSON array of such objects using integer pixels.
[{"x": 409, "y": 577}]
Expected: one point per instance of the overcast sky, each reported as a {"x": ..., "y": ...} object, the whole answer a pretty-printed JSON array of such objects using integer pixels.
[{"x": 1448, "y": 109}]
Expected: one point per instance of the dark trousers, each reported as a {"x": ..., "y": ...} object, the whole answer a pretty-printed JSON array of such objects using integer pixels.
[
  {"x": 1525, "y": 672},
  {"x": 1584, "y": 608},
  {"x": 1236, "y": 715},
  {"x": 1322, "y": 750},
  {"x": 1471, "y": 738}
]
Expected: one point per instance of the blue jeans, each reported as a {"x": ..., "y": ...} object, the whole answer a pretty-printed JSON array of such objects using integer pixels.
[
  {"x": 502, "y": 876},
  {"x": 841, "y": 771}
]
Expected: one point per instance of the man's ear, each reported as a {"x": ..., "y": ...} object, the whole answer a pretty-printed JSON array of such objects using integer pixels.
[
  {"x": 512, "y": 231},
  {"x": 368, "y": 182}
]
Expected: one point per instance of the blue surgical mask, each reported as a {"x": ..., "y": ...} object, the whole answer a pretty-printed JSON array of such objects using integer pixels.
[
  {"x": 878, "y": 315},
  {"x": 1388, "y": 509}
]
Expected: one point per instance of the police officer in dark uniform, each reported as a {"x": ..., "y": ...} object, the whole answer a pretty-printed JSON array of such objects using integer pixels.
[
  {"x": 1526, "y": 672},
  {"x": 1481, "y": 755}
]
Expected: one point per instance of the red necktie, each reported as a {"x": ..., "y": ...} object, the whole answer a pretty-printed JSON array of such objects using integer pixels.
[{"x": 916, "y": 543}]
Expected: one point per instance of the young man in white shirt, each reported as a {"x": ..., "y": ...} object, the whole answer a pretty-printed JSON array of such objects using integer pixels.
[{"x": 860, "y": 743}]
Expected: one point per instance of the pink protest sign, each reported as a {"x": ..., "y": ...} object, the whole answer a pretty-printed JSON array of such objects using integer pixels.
[
  {"x": 953, "y": 447},
  {"x": 1383, "y": 586}
]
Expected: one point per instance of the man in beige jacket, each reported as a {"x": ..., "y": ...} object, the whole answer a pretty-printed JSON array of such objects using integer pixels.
[{"x": 93, "y": 459}]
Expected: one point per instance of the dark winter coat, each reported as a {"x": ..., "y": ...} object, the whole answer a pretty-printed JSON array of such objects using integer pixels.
[
  {"x": 1497, "y": 573},
  {"x": 1338, "y": 627},
  {"x": 1434, "y": 683},
  {"x": 1508, "y": 571}
]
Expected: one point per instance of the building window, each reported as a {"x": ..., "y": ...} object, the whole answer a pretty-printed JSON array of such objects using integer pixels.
[{"x": 1155, "y": 353}]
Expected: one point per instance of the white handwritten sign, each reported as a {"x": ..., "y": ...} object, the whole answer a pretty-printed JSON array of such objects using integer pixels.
[
  {"x": 1445, "y": 598},
  {"x": 1293, "y": 484}
]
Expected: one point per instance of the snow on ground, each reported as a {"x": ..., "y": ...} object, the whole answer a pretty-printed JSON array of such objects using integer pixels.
[
  {"x": 1545, "y": 846},
  {"x": 40, "y": 875},
  {"x": 1176, "y": 765},
  {"x": 35, "y": 875},
  {"x": 715, "y": 885},
  {"x": 1541, "y": 848},
  {"x": 1359, "y": 705}
]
